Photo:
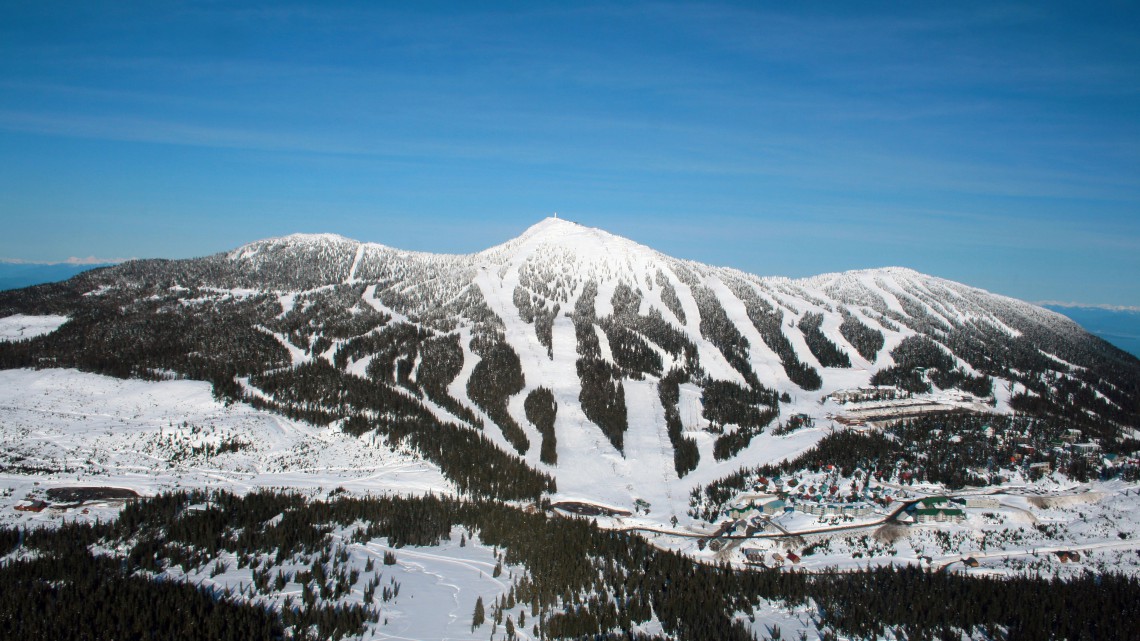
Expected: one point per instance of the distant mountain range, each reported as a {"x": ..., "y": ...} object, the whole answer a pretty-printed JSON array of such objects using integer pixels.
[
  {"x": 1121, "y": 327},
  {"x": 17, "y": 275}
]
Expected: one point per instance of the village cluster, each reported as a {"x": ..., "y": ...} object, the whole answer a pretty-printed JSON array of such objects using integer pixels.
[{"x": 779, "y": 507}]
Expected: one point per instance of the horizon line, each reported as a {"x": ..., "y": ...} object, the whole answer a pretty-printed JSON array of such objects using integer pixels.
[
  {"x": 1075, "y": 305},
  {"x": 77, "y": 261}
]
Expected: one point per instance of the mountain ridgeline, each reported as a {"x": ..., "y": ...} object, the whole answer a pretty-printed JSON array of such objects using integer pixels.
[{"x": 566, "y": 348}]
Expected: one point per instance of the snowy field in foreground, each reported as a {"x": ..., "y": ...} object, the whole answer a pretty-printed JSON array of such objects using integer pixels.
[
  {"x": 437, "y": 586},
  {"x": 142, "y": 435},
  {"x": 84, "y": 429}
]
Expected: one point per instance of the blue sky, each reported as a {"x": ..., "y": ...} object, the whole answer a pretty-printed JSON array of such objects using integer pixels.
[{"x": 990, "y": 143}]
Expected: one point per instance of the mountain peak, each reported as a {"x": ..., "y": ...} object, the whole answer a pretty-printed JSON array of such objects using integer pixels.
[
  {"x": 553, "y": 228},
  {"x": 587, "y": 243},
  {"x": 554, "y": 222},
  {"x": 308, "y": 239},
  {"x": 292, "y": 241}
]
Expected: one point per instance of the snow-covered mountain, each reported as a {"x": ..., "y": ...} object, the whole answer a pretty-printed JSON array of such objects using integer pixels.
[{"x": 571, "y": 358}]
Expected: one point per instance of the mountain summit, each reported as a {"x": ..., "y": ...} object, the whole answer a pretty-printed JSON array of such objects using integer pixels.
[
  {"x": 571, "y": 236},
  {"x": 574, "y": 359}
]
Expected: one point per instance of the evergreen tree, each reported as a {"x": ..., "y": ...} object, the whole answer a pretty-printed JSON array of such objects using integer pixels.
[{"x": 479, "y": 616}]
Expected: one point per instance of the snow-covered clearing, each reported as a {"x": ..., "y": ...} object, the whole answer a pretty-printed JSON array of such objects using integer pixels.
[
  {"x": 21, "y": 327},
  {"x": 431, "y": 591},
  {"x": 65, "y": 428}
]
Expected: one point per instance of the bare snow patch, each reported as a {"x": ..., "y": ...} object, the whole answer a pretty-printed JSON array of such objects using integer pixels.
[{"x": 21, "y": 327}]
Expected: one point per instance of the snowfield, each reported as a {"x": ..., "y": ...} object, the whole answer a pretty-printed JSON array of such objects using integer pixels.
[
  {"x": 20, "y": 327},
  {"x": 89, "y": 429}
]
